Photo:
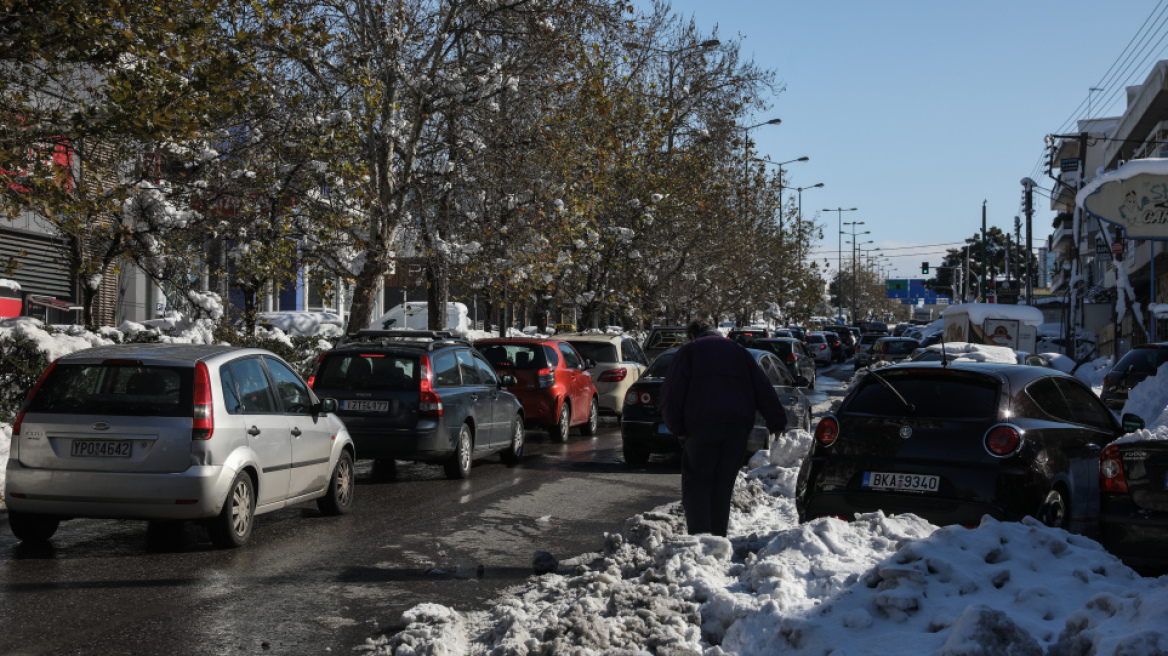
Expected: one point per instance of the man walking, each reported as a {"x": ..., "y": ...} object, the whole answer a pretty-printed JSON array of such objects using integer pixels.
[{"x": 710, "y": 396}]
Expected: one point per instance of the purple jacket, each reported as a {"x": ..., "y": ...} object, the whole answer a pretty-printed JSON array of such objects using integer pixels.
[{"x": 714, "y": 381}]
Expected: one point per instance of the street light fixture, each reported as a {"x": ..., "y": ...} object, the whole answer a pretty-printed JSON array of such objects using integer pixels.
[{"x": 839, "y": 255}]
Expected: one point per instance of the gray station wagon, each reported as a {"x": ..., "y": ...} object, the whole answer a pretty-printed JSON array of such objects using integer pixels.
[{"x": 166, "y": 432}]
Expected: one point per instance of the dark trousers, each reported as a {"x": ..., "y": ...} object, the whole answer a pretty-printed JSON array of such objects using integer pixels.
[{"x": 710, "y": 460}]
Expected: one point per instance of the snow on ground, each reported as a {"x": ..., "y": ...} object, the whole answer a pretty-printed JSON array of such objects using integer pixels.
[
  {"x": 5, "y": 445},
  {"x": 877, "y": 585},
  {"x": 1092, "y": 372}
]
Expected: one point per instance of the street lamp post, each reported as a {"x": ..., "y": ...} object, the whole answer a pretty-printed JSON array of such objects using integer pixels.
[
  {"x": 800, "y": 219},
  {"x": 782, "y": 240},
  {"x": 855, "y": 275},
  {"x": 839, "y": 254}
]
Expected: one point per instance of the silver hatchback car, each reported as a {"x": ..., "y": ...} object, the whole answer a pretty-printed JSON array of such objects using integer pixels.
[{"x": 168, "y": 432}]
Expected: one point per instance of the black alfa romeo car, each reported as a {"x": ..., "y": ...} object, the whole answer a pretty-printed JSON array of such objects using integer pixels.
[{"x": 952, "y": 443}]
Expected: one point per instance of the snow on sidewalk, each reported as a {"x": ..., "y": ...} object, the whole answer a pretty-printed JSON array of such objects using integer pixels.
[{"x": 876, "y": 585}]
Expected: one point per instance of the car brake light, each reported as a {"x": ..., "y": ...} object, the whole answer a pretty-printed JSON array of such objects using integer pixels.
[
  {"x": 315, "y": 368},
  {"x": 203, "y": 425},
  {"x": 31, "y": 393},
  {"x": 827, "y": 431},
  {"x": 547, "y": 378},
  {"x": 1002, "y": 440},
  {"x": 631, "y": 398},
  {"x": 614, "y": 375},
  {"x": 634, "y": 397},
  {"x": 1111, "y": 478},
  {"x": 429, "y": 403},
  {"x": 790, "y": 358}
]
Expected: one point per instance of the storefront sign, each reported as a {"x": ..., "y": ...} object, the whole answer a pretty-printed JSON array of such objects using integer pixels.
[{"x": 1138, "y": 203}]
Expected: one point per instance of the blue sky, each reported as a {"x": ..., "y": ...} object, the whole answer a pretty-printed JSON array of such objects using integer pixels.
[{"x": 916, "y": 112}]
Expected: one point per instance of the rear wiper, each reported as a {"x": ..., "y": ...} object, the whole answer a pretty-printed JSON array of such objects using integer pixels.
[{"x": 910, "y": 407}]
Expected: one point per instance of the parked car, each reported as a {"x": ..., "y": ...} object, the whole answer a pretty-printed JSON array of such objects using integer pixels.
[
  {"x": 793, "y": 353},
  {"x": 900, "y": 328},
  {"x": 798, "y": 333},
  {"x": 862, "y": 347},
  {"x": 662, "y": 338},
  {"x": 1133, "y": 507},
  {"x": 892, "y": 349},
  {"x": 422, "y": 396},
  {"x": 1139, "y": 363},
  {"x": 746, "y": 336},
  {"x": 817, "y": 345},
  {"x": 643, "y": 431},
  {"x": 782, "y": 333},
  {"x": 168, "y": 432},
  {"x": 954, "y": 443},
  {"x": 619, "y": 363},
  {"x": 551, "y": 380},
  {"x": 846, "y": 337}
]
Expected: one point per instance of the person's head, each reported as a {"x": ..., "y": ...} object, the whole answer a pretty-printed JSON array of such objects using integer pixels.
[{"x": 696, "y": 328}]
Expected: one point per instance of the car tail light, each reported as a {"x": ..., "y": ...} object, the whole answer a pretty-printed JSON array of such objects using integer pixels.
[
  {"x": 203, "y": 425},
  {"x": 822, "y": 346},
  {"x": 429, "y": 403},
  {"x": 614, "y": 375},
  {"x": 547, "y": 378},
  {"x": 631, "y": 398},
  {"x": 315, "y": 368},
  {"x": 1002, "y": 440},
  {"x": 827, "y": 431},
  {"x": 635, "y": 397},
  {"x": 31, "y": 393},
  {"x": 1111, "y": 478},
  {"x": 790, "y": 358}
]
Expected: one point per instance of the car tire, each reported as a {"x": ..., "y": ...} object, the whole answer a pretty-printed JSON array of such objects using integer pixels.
[
  {"x": 593, "y": 423},
  {"x": 31, "y": 527},
  {"x": 636, "y": 456},
  {"x": 514, "y": 451},
  {"x": 232, "y": 528},
  {"x": 559, "y": 430},
  {"x": 458, "y": 467},
  {"x": 1055, "y": 510},
  {"x": 338, "y": 498}
]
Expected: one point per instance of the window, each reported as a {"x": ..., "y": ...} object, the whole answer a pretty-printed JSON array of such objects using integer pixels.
[
  {"x": 486, "y": 372},
  {"x": 230, "y": 393},
  {"x": 660, "y": 366},
  {"x": 514, "y": 356},
  {"x": 446, "y": 370},
  {"x": 768, "y": 368},
  {"x": 1047, "y": 396},
  {"x": 632, "y": 352},
  {"x": 553, "y": 358},
  {"x": 117, "y": 389},
  {"x": 369, "y": 371},
  {"x": 1086, "y": 408},
  {"x": 784, "y": 376},
  {"x": 255, "y": 393},
  {"x": 571, "y": 359},
  {"x": 293, "y": 392},
  {"x": 940, "y": 395},
  {"x": 666, "y": 339},
  {"x": 1142, "y": 360},
  {"x": 466, "y": 364},
  {"x": 596, "y": 351}
]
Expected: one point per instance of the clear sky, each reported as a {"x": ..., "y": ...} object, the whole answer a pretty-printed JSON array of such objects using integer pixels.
[{"x": 916, "y": 112}]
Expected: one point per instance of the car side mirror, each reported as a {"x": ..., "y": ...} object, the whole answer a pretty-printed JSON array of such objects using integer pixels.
[
  {"x": 801, "y": 381},
  {"x": 326, "y": 406},
  {"x": 506, "y": 380},
  {"x": 1132, "y": 422}
]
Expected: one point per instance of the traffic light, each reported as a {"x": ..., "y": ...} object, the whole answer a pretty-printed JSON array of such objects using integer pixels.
[{"x": 925, "y": 268}]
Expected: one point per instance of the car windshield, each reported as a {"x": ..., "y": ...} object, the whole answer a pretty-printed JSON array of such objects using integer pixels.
[
  {"x": 117, "y": 389},
  {"x": 665, "y": 339},
  {"x": 520, "y": 357},
  {"x": 1142, "y": 360},
  {"x": 596, "y": 351},
  {"x": 369, "y": 371},
  {"x": 659, "y": 367},
  {"x": 899, "y": 348},
  {"x": 940, "y": 395}
]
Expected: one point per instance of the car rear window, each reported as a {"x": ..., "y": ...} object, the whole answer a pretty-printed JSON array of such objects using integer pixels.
[
  {"x": 899, "y": 348},
  {"x": 1142, "y": 360},
  {"x": 514, "y": 356},
  {"x": 369, "y": 371},
  {"x": 778, "y": 348},
  {"x": 596, "y": 351},
  {"x": 938, "y": 395},
  {"x": 117, "y": 389},
  {"x": 660, "y": 366},
  {"x": 816, "y": 339},
  {"x": 747, "y": 336},
  {"x": 665, "y": 339}
]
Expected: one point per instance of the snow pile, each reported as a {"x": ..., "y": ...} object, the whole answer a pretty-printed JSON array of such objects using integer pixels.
[
  {"x": 979, "y": 312},
  {"x": 304, "y": 324},
  {"x": 415, "y": 316},
  {"x": 970, "y": 352},
  {"x": 1063, "y": 363},
  {"x": 1092, "y": 373},
  {"x": 5, "y": 283},
  {"x": 5, "y": 446},
  {"x": 876, "y": 585},
  {"x": 54, "y": 344},
  {"x": 1148, "y": 400}
]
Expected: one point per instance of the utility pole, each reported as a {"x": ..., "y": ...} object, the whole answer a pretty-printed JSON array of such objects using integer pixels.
[
  {"x": 983, "y": 296},
  {"x": 965, "y": 278},
  {"x": 1028, "y": 185}
]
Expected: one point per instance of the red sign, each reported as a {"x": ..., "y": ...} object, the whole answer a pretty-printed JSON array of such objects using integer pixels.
[{"x": 1117, "y": 248}]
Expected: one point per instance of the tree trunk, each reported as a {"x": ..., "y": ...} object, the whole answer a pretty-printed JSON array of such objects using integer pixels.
[
  {"x": 435, "y": 292},
  {"x": 365, "y": 291},
  {"x": 250, "y": 295}
]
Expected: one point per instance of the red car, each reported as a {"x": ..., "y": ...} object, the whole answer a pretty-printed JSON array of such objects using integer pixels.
[{"x": 553, "y": 382}]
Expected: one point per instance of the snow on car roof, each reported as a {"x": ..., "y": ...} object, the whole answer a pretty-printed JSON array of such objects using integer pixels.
[{"x": 979, "y": 312}]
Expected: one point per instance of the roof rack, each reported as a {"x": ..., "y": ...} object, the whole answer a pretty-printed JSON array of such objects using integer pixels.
[{"x": 430, "y": 339}]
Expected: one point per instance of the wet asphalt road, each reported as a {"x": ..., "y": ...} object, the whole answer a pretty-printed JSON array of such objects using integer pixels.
[{"x": 309, "y": 584}]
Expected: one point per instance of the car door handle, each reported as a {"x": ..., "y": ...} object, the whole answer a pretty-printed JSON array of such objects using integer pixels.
[
  {"x": 295, "y": 431},
  {"x": 254, "y": 430}
]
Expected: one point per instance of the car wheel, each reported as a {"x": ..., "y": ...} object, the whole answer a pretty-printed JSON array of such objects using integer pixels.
[
  {"x": 593, "y": 419},
  {"x": 559, "y": 431},
  {"x": 458, "y": 467},
  {"x": 1055, "y": 511},
  {"x": 31, "y": 527},
  {"x": 232, "y": 527},
  {"x": 515, "y": 451},
  {"x": 636, "y": 456},
  {"x": 338, "y": 499}
]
